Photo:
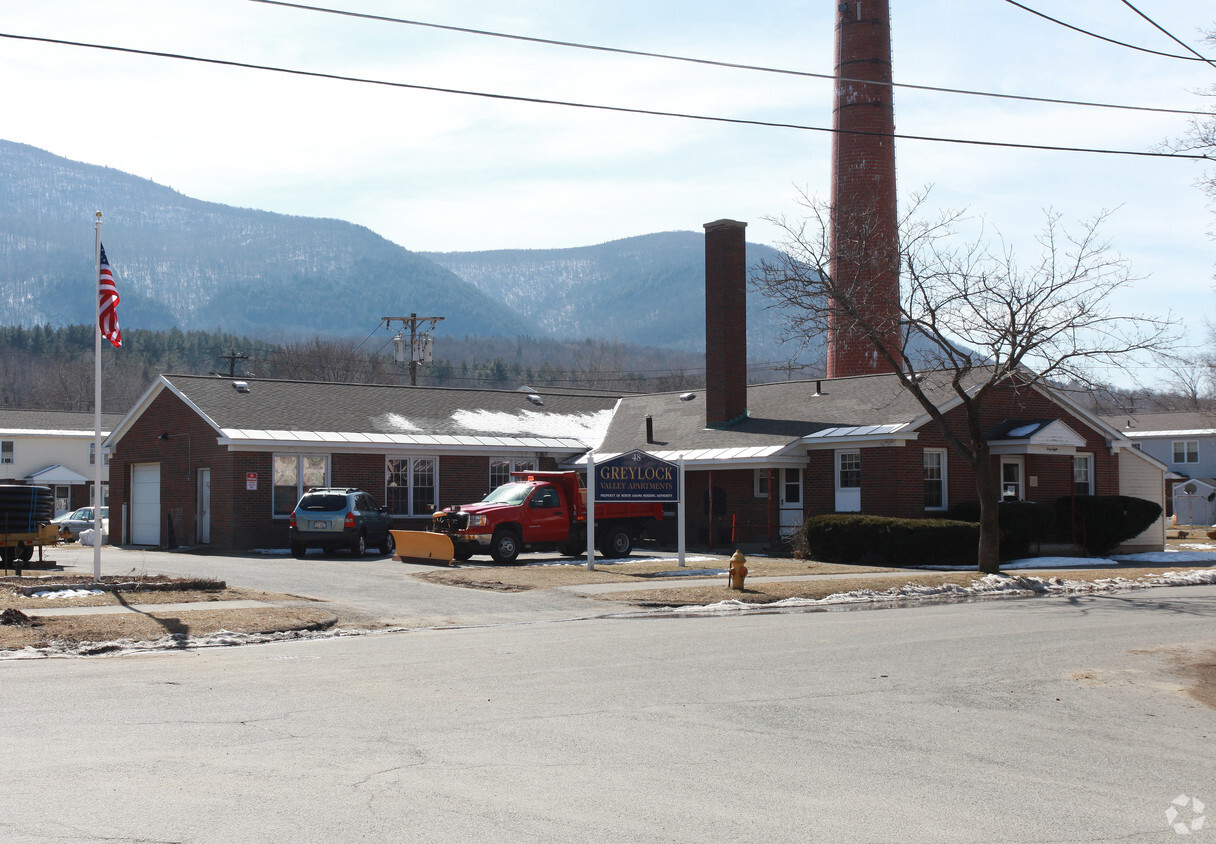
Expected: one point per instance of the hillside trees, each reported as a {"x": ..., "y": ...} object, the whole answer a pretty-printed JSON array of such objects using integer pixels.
[{"x": 984, "y": 319}]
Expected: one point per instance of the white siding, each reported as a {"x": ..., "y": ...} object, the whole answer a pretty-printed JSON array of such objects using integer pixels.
[{"x": 1140, "y": 478}]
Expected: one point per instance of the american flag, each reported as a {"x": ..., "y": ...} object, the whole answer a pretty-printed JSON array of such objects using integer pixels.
[{"x": 107, "y": 309}]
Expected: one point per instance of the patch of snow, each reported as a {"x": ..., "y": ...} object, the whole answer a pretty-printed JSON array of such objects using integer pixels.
[
  {"x": 394, "y": 423},
  {"x": 68, "y": 593},
  {"x": 588, "y": 428},
  {"x": 992, "y": 585},
  {"x": 1024, "y": 431},
  {"x": 1198, "y": 546}
]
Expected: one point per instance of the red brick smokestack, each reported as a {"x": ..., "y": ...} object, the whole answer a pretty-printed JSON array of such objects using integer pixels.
[
  {"x": 725, "y": 323},
  {"x": 865, "y": 243}
]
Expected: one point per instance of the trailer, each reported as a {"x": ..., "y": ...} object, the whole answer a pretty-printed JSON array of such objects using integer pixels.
[
  {"x": 19, "y": 547},
  {"x": 25, "y": 522}
]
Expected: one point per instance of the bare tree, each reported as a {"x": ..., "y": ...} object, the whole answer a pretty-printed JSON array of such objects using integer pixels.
[
  {"x": 981, "y": 318},
  {"x": 330, "y": 360}
]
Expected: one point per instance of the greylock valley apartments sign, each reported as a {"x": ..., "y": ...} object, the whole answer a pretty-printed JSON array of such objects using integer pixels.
[{"x": 637, "y": 476}]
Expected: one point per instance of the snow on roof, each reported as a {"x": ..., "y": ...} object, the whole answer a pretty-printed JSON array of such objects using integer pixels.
[
  {"x": 588, "y": 428},
  {"x": 395, "y": 422}
]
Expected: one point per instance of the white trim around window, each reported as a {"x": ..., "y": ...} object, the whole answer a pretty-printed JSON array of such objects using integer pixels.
[
  {"x": 760, "y": 482},
  {"x": 292, "y": 474},
  {"x": 411, "y": 485},
  {"x": 936, "y": 479},
  {"x": 1083, "y": 473},
  {"x": 6, "y": 451},
  {"x": 502, "y": 467},
  {"x": 1186, "y": 451}
]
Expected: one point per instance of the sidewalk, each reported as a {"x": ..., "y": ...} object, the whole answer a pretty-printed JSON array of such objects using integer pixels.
[{"x": 147, "y": 609}]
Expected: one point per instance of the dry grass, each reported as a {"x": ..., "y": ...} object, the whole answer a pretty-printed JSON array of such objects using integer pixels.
[
  {"x": 521, "y": 578},
  {"x": 74, "y": 630}
]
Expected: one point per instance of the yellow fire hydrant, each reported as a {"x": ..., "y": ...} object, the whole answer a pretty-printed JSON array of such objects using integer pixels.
[{"x": 738, "y": 570}]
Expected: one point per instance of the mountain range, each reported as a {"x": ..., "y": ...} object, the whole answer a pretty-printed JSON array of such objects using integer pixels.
[{"x": 196, "y": 265}]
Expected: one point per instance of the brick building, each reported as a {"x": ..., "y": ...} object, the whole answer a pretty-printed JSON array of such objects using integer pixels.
[{"x": 201, "y": 460}]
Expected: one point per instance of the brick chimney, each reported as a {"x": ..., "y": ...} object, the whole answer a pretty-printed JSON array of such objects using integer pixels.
[
  {"x": 864, "y": 233},
  {"x": 725, "y": 323}
]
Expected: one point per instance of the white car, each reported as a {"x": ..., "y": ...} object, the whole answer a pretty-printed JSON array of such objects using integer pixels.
[{"x": 71, "y": 524}]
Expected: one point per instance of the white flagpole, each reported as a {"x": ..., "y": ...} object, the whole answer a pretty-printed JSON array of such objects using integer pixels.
[{"x": 98, "y": 458}]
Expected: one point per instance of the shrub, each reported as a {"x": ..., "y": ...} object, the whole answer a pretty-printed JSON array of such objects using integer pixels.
[
  {"x": 1022, "y": 523},
  {"x": 878, "y": 540},
  {"x": 1098, "y": 523}
]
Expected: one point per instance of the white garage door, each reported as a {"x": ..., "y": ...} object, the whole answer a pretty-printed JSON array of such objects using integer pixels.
[{"x": 145, "y": 504}]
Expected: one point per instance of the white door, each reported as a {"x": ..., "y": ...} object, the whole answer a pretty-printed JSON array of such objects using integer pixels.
[
  {"x": 1011, "y": 479},
  {"x": 848, "y": 482},
  {"x": 791, "y": 501},
  {"x": 204, "y": 506},
  {"x": 145, "y": 504}
]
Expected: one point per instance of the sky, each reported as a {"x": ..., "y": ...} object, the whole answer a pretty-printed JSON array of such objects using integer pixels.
[{"x": 437, "y": 171}]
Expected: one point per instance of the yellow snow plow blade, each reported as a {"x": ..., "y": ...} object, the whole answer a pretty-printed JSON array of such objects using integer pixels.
[{"x": 421, "y": 546}]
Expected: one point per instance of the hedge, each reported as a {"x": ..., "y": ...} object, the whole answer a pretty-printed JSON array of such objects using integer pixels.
[
  {"x": 879, "y": 540},
  {"x": 1099, "y": 523}
]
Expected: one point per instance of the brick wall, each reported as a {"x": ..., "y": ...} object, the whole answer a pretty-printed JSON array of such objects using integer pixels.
[
  {"x": 725, "y": 322},
  {"x": 864, "y": 221}
]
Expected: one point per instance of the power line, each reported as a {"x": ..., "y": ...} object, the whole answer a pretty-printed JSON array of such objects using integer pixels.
[
  {"x": 1168, "y": 34},
  {"x": 615, "y": 109},
  {"x": 1104, "y": 38},
  {"x": 723, "y": 64}
]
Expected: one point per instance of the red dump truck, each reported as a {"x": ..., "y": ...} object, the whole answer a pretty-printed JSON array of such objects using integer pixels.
[{"x": 536, "y": 511}]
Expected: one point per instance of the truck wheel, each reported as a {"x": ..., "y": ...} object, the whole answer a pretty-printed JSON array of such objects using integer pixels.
[
  {"x": 504, "y": 547},
  {"x": 463, "y": 554},
  {"x": 617, "y": 542},
  {"x": 358, "y": 545},
  {"x": 388, "y": 545}
]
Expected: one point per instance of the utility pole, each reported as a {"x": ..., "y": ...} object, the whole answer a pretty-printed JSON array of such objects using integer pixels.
[
  {"x": 420, "y": 347},
  {"x": 232, "y": 357}
]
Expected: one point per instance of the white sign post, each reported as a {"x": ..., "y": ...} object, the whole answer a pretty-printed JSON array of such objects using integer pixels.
[
  {"x": 680, "y": 507},
  {"x": 591, "y": 511}
]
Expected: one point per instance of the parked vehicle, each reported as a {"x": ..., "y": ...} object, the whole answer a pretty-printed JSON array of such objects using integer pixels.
[
  {"x": 71, "y": 524},
  {"x": 339, "y": 518},
  {"x": 536, "y": 511}
]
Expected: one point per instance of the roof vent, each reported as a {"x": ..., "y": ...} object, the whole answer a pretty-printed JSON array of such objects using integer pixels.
[
  {"x": 240, "y": 386},
  {"x": 535, "y": 399},
  {"x": 688, "y": 396}
]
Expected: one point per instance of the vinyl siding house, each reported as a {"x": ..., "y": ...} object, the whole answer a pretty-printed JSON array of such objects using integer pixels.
[
  {"x": 202, "y": 460},
  {"x": 54, "y": 449},
  {"x": 1186, "y": 444}
]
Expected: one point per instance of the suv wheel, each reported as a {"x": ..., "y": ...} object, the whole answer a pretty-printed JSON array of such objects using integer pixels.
[
  {"x": 358, "y": 546},
  {"x": 388, "y": 545},
  {"x": 299, "y": 550},
  {"x": 504, "y": 547}
]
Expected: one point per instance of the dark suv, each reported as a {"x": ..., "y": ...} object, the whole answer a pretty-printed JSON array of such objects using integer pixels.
[{"x": 340, "y": 518}]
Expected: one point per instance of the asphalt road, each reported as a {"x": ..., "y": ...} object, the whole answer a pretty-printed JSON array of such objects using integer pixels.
[{"x": 1017, "y": 720}]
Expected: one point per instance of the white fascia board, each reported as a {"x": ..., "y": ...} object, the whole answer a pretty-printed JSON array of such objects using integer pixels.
[
  {"x": 36, "y": 432},
  {"x": 1169, "y": 435},
  {"x": 245, "y": 440},
  {"x": 885, "y": 440}
]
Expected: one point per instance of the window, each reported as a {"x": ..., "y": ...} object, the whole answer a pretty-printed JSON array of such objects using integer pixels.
[
  {"x": 93, "y": 456},
  {"x": 410, "y": 485},
  {"x": 1083, "y": 474},
  {"x": 760, "y": 485},
  {"x": 293, "y": 474},
  {"x": 850, "y": 470},
  {"x": 1186, "y": 451},
  {"x": 502, "y": 467},
  {"x": 6, "y": 451},
  {"x": 935, "y": 479}
]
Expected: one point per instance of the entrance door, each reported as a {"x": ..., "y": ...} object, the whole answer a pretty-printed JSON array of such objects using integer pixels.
[
  {"x": 791, "y": 501},
  {"x": 204, "y": 507},
  {"x": 1011, "y": 479},
  {"x": 145, "y": 504},
  {"x": 848, "y": 482}
]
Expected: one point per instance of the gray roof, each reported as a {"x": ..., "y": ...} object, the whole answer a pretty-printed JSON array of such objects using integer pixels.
[
  {"x": 54, "y": 422},
  {"x": 308, "y": 412},
  {"x": 1193, "y": 423},
  {"x": 779, "y": 414}
]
